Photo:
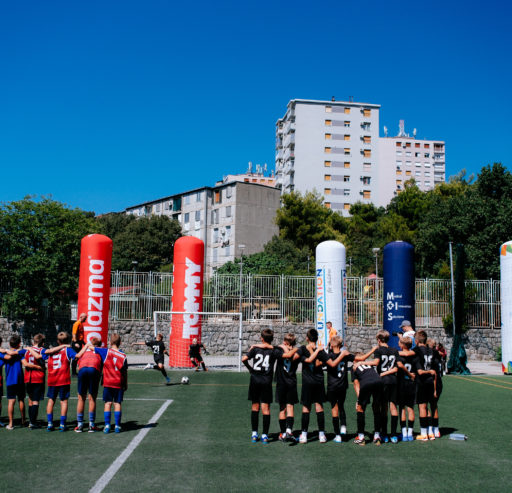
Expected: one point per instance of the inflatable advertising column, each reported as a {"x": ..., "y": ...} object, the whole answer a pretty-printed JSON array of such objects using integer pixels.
[
  {"x": 506, "y": 306},
  {"x": 94, "y": 285},
  {"x": 187, "y": 296},
  {"x": 399, "y": 287},
  {"x": 330, "y": 289}
]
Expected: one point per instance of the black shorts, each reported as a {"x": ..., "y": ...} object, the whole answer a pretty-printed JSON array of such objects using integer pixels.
[
  {"x": 158, "y": 359},
  {"x": 259, "y": 392},
  {"x": 369, "y": 390},
  {"x": 407, "y": 393},
  {"x": 312, "y": 393},
  {"x": 389, "y": 393},
  {"x": 35, "y": 391},
  {"x": 198, "y": 358},
  {"x": 16, "y": 391},
  {"x": 336, "y": 396},
  {"x": 439, "y": 389},
  {"x": 287, "y": 394},
  {"x": 425, "y": 393}
]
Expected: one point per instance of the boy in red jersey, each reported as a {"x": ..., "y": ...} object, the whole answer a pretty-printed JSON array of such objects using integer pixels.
[
  {"x": 34, "y": 379},
  {"x": 89, "y": 373},
  {"x": 59, "y": 378},
  {"x": 115, "y": 380}
]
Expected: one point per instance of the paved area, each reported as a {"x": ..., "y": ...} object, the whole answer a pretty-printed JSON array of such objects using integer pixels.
[{"x": 231, "y": 363}]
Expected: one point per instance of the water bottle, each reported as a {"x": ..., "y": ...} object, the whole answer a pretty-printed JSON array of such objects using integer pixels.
[{"x": 458, "y": 436}]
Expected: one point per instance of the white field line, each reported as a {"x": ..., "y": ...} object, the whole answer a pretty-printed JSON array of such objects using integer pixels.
[
  {"x": 130, "y": 399},
  {"x": 121, "y": 459}
]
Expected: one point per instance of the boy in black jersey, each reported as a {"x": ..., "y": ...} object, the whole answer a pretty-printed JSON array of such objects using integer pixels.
[
  {"x": 337, "y": 383},
  {"x": 286, "y": 384},
  {"x": 367, "y": 384},
  {"x": 312, "y": 357},
  {"x": 426, "y": 384},
  {"x": 438, "y": 367},
  {"x": 406, "y": 387},
  {"x": 158, "y": 348},
  {"x": 263, "y": 357},
  {"x": 385, "y": 360},
  {"x": 194, "y": 353}
]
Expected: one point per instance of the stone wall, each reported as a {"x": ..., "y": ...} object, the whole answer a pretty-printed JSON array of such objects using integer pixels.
[{"x": 222, "y": 337}]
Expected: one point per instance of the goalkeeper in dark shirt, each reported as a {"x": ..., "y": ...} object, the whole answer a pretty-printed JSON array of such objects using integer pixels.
[{"x": 194, "y": 353}]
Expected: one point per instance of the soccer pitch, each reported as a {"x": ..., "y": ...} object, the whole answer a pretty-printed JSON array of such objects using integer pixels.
[{"x": 201, "y": 441}]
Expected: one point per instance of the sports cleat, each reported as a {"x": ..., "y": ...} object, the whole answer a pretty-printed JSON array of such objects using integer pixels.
[
  {"x": 321, "y": 437},
  {"x": 50, "y": 428},
  {"x": 386, "y": 439},
  {"x": 437, "y": 434},
  {"x": 360, "y": 441},
  {"x": 343, "y": 430},
  {"x": 106, "y": 429},
  {"x": 168, "y": 380},
  {"x": 394, "y": 439},
  {"x": 264, "y": 438},
  {"x": 377, "y": 440},
  {"x": 79, "y": 428},
  {"x": 431, "y": 436},
  {"x": 422, "y": 438},
  {"x": 93, "y": 429},
  {"x": 254, "y": 437},
  {"x": 289, "y": 437},
  {"x": 117, "y": 429},
  {"x": 149, "y": 366},
  {"x": 282, "y": 437},
  {"x": 63, "y": 428},
  {"x": 337, "y": 439},
  {"x": 9, "y": 427},
  {"x": 409, "y": 438},
  {"x": 303, "y": 437}
]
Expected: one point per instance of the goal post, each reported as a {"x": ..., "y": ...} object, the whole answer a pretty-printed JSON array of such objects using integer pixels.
[{"x": 220, "y": 331}]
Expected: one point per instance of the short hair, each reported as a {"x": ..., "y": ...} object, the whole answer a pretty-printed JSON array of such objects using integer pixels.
[
  {"x": 159, "y": 337},
  {"x": 336, "y": 341},
  {"x": 96, "y": 341},
  {"x": 406, "y": 342},
  {"x": 312, "y": 335},
  {"x": 63, "y": 337},
  {"x": 39, "y": 339},
  {"x": 421, "y": 337},
  {"x": 290, "y": 339},
  {"x": 267, "y": 335},
  {"x": 115, "y": 340},
  {"x": 328, "y": 323},
  {"x": 383, "y": 336},
  {"x": 431, "y": 343},
  {"x": 15, "y": 341}
]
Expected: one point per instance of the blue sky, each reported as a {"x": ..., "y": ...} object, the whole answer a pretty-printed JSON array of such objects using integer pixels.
[{"x": 106, "y": 104}]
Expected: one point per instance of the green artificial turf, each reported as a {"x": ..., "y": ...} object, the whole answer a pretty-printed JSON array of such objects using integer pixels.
[{"x": 202, "y": 442}]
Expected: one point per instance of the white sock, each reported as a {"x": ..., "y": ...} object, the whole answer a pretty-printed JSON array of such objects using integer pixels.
[
  {"x": 404, "y": 432},
  {"x": 430, "y": 430},
  {"x": 436, "y": 429},
  {"x": 423, "y": 431},
  {"x": 254, "y": 433},
  {"x": 289, "y": 431},
  {"x": 410, "y": 432},
  {"x": 304, "y": 434},
  {"x": 360, "y": 435},
  {"x": 343, "y": 430}
]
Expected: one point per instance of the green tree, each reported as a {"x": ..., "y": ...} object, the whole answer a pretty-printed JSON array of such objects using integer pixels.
[{"x": 40, "y": 255}]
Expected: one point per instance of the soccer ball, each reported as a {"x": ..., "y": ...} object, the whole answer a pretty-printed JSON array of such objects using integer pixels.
[{"x": 185, "y": 380}]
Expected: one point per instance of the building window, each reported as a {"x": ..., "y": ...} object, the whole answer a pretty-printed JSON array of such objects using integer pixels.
[
  {"x": 366, "y": 126},
  {"x": 408, "y": 153},
  {"x": 366, "y": 194},
  {"x": 367, "y": 113},
  {"x": 187, "y": 199},
  {"x": 346, "y": 111},
  {"x": 217, "y": 197},
  {"x": 398, "y": 153},
  {"x": 408, "y": 172},
  {"x": 366, "y": 180},
  {"x": 328, "y": 123},
  {"x": 229, "y": 192},
  {"x": 228, "y": 231},
  {"x": 367, "y": 166},
  {"x": 327, "y": 164},
  {"x": 417, "y": 164},
  {"x": 215, "y": 238},
  {"x": 398, "y": 171},
  {"x": 346, "y": 137},
  {"x": 346, "y": 192},
  {"x": 228, "y": 211},
  {"x": 398, "y": 144},
  {"x": 398, "y": 182},
  {"x": 327, "y": 150},
  {"x": 417, "y": 154},
  {"x": 367, "y": 139},
  {"x": 327, "y": 177},
  {"x": 328, "y": 109},
  {"x": 346, "y": 164},
  {"x": 328, "y": 136},
  {"x": 346, "y": 206},
  {"x": 346, "y": 178},
  {"x": 346, "y": 151},
  {"x": 427, "y": 146},
  {"x": 215, "y": 255},
  {"x": 407, "y": 144},
  {"x": 198, "y": 197},
  {"x": 427, "y": 165},
  {"x": 417, "y": 145},
  {"x": 167, "y": 206},
  {"x": 427, "y": 154},
  {"x": 187, "y": 218},
  {"x": 427, "y": 173},
  {"x": 157, "y": 208},
  {"x": 408, "y": 163},
  {"x": 198, "y": 215},
  {"x": 327, "y": 191},
  {"x": 215, "y": 216},
  {"x": 367, "y": 153},
  {"x": 346, "y": 123},
  {"x": 227, "y": 251},
  {"x": 327, "y": 204},
  {"x": 417, "y": 173}
]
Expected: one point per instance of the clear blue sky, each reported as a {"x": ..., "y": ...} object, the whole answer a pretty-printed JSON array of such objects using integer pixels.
[{"x": 105, "y": 104}]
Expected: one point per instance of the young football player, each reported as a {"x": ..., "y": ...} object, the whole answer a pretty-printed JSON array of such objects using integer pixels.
[
  {"x": 438, "y": 367},
  {"x": 89, "y": 374},
  {"x": 115, "y": 380},
  {"x": 406, "y": 388},
  {"x": 1, "y": 384},
  {"x": 367, "y": 385},
  {"x": 59, "y": 378},
  {"x": 313, "y": 357},
  {"x": 158, "y": 348},
  {"x": 286, "y": 385},
  {"x": 262, "y": 357},
  {"x": 385, "y": 361},
  {"x": 34, "y": 379},
  {"x": 194, "y": 353},
  {"x": 427, "y": 377}
]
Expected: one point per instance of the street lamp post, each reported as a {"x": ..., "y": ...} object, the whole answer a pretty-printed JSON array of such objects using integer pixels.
[
  {"x": 376, "y": 251},
  {"x": 134, "y": 263},
  {"x": 241, "y": 247}
]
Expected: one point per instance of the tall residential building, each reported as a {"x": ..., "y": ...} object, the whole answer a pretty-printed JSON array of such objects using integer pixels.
[
  {"x": 225, "y": 216},
  {"x": 404, "y": 157},
  {"x": 330, "y": 146}
]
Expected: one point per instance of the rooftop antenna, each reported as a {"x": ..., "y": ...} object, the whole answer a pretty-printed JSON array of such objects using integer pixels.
[
  {"x": 333, "y": 99},
  {"x": 249, "y": 168},
  {"x": 265, "y": 168},
  {"x": 401, "y": 129},
  {"x": 414, "y": 132},
  {"x": 351, "y": 99},
  {"x": 385, "y": 130}
]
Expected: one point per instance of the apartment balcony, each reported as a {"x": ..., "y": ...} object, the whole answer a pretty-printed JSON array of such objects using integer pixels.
[
  {"x": 289, "y": 139},
  {"x": 288, "y": 153}
]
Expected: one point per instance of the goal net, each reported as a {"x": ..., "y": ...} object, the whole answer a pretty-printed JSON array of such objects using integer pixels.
[{"x": 221, "y": 334}]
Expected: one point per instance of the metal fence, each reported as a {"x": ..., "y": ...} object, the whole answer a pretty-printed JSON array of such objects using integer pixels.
[{"x": 136, "y": 295}]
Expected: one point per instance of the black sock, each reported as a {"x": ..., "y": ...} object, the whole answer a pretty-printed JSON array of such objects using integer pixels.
[
  {"x": 254, "y": 420},
  {"x": 282, "y": 425},
  {"x": 377, "y": 421},
  {"x": 305, "y": 421},
  {"x": 289, "y": 422},
  {"x": 394, "y": 423},
  {"x": 411, "y": 424},
  {"x": 266, "y": 423},
  {"x": 423, "y": 422},
  {"x": 320, "y": 419},
  {"x": 336, "y": 425},
  {"x": 383, "y": 424},
  {"x": 435, "y": 422},
  {"x": 30, "y": 415},
  {"x": 35, "y": 410},
  {"x": 164, "y": 373},
  {"x": 343, "y": 415},
  {"x": 202, "y": 364},
  {"x": 360, "y": 423},
  {"x": 403, "y": 423}
]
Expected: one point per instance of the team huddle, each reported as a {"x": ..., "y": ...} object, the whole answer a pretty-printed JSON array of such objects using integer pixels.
[
  {"x": 26, "y": 370},
  {"x": 394, "y": 381}
]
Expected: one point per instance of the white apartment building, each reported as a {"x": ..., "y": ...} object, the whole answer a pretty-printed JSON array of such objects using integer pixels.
[
  {"x": 404, "y": 157},
  {"x": 225, "y": 216},
  {"x": 332, "y": 147}
]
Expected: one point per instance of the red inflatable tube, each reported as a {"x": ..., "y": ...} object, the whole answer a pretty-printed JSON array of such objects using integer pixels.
[
  {"x": 187, "y": 296},
  {"x": 94, "y": 285}
]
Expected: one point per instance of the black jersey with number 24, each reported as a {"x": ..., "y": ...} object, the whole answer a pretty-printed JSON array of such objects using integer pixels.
[{"x": 263, "y": 360}]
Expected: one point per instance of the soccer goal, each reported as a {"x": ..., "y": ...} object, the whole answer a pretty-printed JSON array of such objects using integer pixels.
[{"x": 221, "y": 334}]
